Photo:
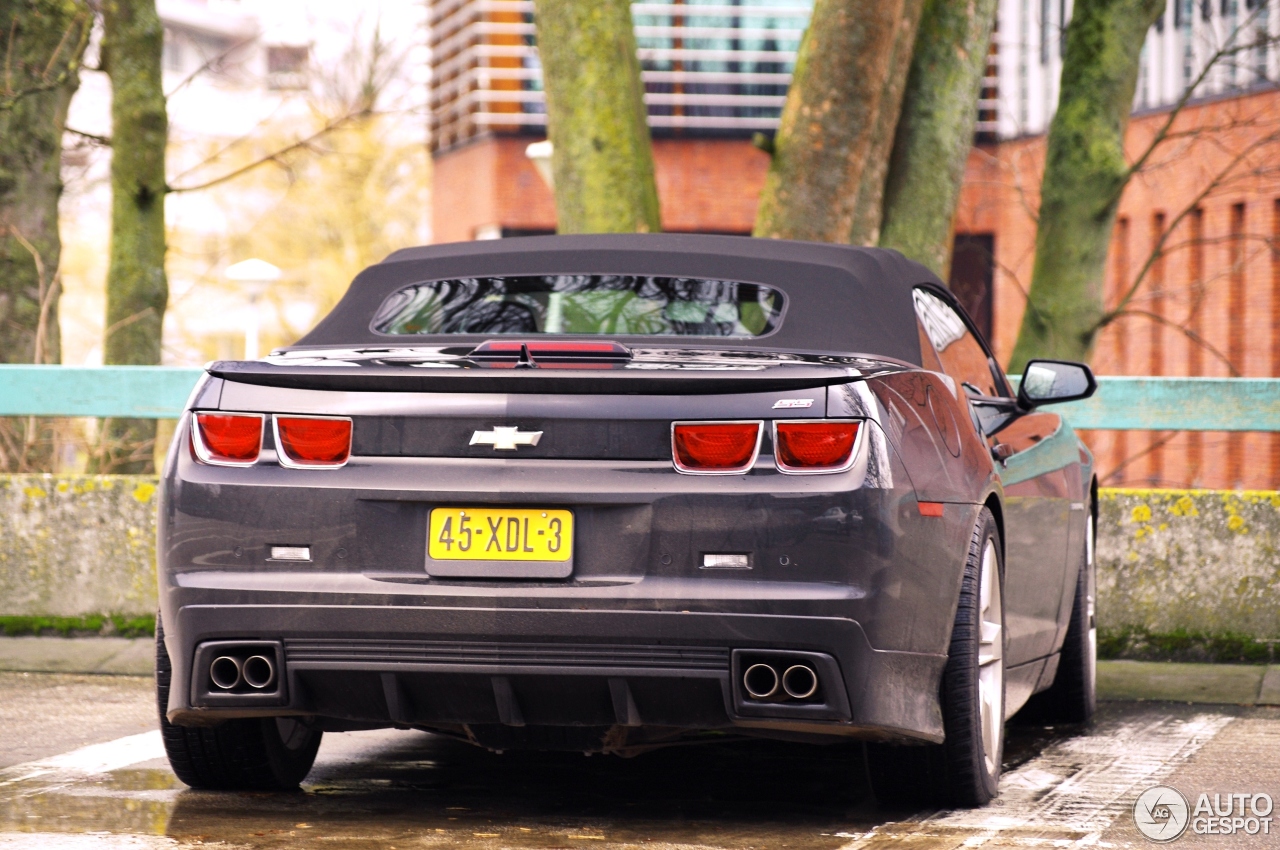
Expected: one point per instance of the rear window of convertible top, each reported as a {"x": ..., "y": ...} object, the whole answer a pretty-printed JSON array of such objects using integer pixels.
[{"x": 582, "y": 304}]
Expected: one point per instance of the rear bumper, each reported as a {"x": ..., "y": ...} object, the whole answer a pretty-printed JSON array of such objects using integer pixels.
[{"x": 473, "y": 668}]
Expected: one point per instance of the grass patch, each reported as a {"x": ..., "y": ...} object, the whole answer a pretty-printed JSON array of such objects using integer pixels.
[
  {"x": 1139, "y": 644},
  {"x": 95, "y": 625}
]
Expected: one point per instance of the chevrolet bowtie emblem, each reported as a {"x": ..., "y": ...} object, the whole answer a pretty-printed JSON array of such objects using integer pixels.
[{"x": 505, "y": 438}]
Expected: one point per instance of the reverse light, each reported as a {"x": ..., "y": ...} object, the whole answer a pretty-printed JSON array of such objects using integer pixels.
[
  {"x": 814, "y": 445},
  {"x": 227, "y": 439},
  {"x": 715, "y": 448},
  {"x": 313, "y": 442}
]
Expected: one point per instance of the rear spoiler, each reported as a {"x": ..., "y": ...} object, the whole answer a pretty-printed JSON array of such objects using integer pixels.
[{"x": 634, "y": 379}]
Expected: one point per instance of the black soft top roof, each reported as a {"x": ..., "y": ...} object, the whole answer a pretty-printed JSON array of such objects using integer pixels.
[{"x": 839, "y": 298}]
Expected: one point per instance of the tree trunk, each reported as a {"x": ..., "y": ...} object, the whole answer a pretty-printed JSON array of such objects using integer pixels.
[
  {"x": 44, "y": 41},
  {"x": 1085, "y": 174},
  {"x": 829, "y": 121},
  {"x": 601, "y": 156},
  {"x": 868, "y": 209},
  {"x": 137, "y": 291},
  {"x": 935, "y": 132}
]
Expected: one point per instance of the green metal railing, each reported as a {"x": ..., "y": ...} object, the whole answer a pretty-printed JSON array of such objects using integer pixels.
[{"x": 1122, "y": 404}]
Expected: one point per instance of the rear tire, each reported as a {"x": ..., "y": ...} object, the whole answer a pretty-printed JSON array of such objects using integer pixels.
[
  {"x": 964, "y": 770},
  {"x": 1073, "y": 696},
  {"x": 254, "y": 754}
]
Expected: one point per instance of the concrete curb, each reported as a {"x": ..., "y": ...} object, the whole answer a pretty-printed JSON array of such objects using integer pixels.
[
  {"x": 109, "y": 655},
  {"x": 1232, "y": 684}
]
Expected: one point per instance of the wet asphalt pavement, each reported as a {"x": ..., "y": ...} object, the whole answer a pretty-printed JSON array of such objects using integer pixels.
[{"x": 81, "y": 768}]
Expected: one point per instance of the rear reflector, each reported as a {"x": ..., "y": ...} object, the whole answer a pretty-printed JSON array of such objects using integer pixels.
[
  {"x": 308, "y": 442},
  {"x": 725, "y": 448},
  {"x": 933, "y": 509},
  {"x": 227, "y": 439},
  {"x": 814, "y": 446}
]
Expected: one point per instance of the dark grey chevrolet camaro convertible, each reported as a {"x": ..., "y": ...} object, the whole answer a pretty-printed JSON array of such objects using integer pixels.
[{"x": 607, "y": 493}]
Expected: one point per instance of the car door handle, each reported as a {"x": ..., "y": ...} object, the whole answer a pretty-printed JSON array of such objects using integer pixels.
[{"x": 1001, "y": 452}]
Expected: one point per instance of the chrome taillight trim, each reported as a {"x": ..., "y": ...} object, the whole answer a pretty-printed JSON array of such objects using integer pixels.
[
  {"x": 290, "y": 463},
  {"x": 202, "y": 451},
  {"x": 818, "y": 470},
  {"x": 737, "y": 470}
]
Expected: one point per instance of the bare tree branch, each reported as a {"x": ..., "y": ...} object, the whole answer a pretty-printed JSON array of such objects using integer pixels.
[
  {"x": 126, "y": 321},
  {"x": 1229, "y": 48},
  {"x": 207, "y": 65},
  {"x": 1189, "y": 334},
  {"x": 1159, "y": 247},
  {"x": 93, "y": 137},
  {"x": 276, "y": 155},
  {"x": 1155, "y": 444}
]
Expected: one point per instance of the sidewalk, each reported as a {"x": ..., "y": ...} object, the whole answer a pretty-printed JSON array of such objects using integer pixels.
[{"x": 1232, "y": 684}]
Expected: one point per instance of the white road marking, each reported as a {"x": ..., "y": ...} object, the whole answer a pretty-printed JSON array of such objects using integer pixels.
[
  {"x": 1069, "y": 794},
  {"x": 88, "y": 761}
]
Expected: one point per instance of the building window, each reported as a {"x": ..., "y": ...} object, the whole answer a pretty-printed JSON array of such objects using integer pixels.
[
  {"x": 282, "y": 59},
  {"x": 287, "y": 66},
  {"x": 972, "y": 277},
  {"x": 172, "y": 53},
  {"x": 1024, "y": 47},
  {"x": 1046, "y": 28}
]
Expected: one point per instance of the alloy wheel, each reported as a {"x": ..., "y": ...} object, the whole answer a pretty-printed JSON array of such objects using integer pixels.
[{"x": 991, "y": 657}]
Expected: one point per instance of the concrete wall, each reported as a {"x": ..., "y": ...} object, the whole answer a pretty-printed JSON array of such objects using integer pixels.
[
  {"x": 1169, "y": 561},
  {"x": 1203, "y": 562},
  {"x": 74, "y": 545}
]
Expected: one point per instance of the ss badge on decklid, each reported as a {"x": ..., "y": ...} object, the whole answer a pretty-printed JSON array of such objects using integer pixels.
[{"x": 505, "y": 438}]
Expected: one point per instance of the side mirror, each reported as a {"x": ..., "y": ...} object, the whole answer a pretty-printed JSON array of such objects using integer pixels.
[{"x": 1053, "y": 381}]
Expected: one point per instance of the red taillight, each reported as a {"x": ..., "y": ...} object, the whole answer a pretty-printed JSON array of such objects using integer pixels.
[
  {"x": 723, "y": 447},
  {"x": 227, "y": 439},
  {"x": 304, "y": 441},
  {"x": 814, "y": 446}
]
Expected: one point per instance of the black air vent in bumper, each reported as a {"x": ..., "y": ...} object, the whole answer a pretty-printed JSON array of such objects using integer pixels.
[{"x": 360, "y": 653}]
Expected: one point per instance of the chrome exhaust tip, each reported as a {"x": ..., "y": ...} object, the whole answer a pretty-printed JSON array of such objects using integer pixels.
[
  {"x": 800, "y": 681},
  {"x": 225, "y": 672},
  {"x": 259, "y": 672},
  {"x": 760, "y": 681}
]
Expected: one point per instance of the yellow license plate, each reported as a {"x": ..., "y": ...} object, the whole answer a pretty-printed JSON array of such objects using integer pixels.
[{"x": 503, "y": 534}]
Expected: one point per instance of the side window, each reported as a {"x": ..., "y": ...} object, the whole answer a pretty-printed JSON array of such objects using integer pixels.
[
  {"x": 957, "y": 349},
  {"x": 928, "y": 356}
]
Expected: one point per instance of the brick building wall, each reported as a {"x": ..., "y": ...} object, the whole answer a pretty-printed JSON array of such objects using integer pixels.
[
  {"x": 1208, "y": 297},
  {"x": 488, "y": 186}
]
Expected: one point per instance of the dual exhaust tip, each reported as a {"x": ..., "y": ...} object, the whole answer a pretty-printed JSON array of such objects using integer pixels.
[
  {"x": 763, "y": 681},
  {"x": 228, "y": 672}
]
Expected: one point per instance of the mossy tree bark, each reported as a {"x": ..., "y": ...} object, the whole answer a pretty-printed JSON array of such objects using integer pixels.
[
  {"x": 935, "y": 131},
  {"x": 137, "y": 290},
  {"x": 829, "y": 121},
  {"x": 601, "y": 158},
  {"x": 868, "y": 208},
  {"x": 44, "y": 41},
  {"x": 1085, "y": 174}
]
